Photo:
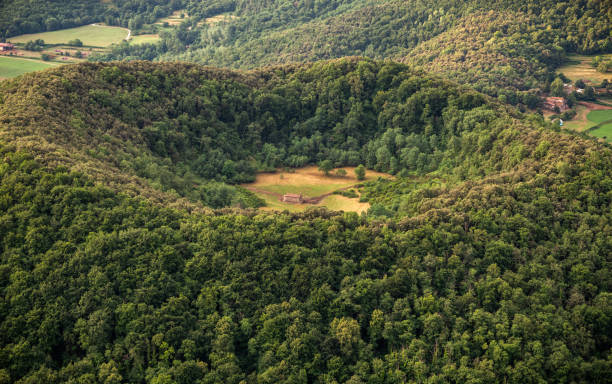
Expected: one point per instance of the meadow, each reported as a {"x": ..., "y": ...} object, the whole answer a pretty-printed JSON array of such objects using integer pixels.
[
  {"x": 142, "y": 39},
  {"x": 90, "y": 35},
  {"x": 602, "y": 124},
  {"x": 310, "y": 182},
  {"x": 13, "y": 66},
  {"x": 579, "y": 67}
]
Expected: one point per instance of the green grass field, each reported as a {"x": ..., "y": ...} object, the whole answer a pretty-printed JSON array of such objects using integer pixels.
[
  {"x": 603, "y": 118},
  {"x": 600, "y": 116},
  {"x": 141, "y": 39},
  {"x": 604, "y": 131},
  {"x": 13, "y": 66},
  {"x": 579, "y": 67},
  {"x": 91, "y": 35}
]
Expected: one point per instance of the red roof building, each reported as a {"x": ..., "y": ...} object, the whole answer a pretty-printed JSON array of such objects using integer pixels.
[
  {"x": 554, "y": 103},
  {"x": 6, "y": 46}
]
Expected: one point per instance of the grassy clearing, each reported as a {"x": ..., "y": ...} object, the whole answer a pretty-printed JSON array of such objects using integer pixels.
[
  {"x": 603, "y": 132},
  {"x": 219, "y": 18},
  {"x": 142, "y": 39},
  {"x": 603, "y": 118},
  {"x": 586, "y": 118},
  {"x": 580, "y": 122},
  {"x": 600, "y": 116},
  {"x": 579, "y": 67},
  {"x": 175, "y": 18},
  {"x": 90, "y": 35},
  {"x": 310, "y": 182},
  {"x": 13, "y": 66}
]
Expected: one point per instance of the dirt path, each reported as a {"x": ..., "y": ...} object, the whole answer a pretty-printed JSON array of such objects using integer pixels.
[{"x": 593, "y": 106}]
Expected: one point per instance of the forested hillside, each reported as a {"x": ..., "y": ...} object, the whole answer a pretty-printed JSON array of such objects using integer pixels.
[
  {"x": 487, "y": 259},
  {"x": 502, "y": 47},
  {"x": 22, "y": 16},
  {"x": 176, "y": 128}
]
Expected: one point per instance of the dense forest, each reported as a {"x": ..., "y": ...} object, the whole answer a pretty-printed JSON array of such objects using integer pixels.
[
  {"x": 30, "y": 16},
  {"x": 487, "y": 259},
  {"x": 502, "y": 48}
]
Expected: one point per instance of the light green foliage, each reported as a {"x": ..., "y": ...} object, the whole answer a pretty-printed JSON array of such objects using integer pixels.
[
  {"x": 326, "y": 166},
  {"x": 556, "y": 88},
  {"x": 360, "y": 172}
]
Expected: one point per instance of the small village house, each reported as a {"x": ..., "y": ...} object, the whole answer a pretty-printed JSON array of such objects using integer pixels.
[
  {"x": 555, "y": 103},
  {"x": 293, "y": 198},
  {"x": 6, "y": 47}
]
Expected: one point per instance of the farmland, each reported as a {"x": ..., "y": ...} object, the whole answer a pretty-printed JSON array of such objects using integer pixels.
[
  {"x": 142, "y": 39},
  {"x": 602, "y": 120},
  {"x": 13, "y": 66},
  {"x": 579, "y": 67},
  {"x": 90, "y": 35}
]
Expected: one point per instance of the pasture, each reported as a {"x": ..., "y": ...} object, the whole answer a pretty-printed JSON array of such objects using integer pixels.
[
  {"x": 603, "y": 124},
  {"x": 579, "y": 67},
  {"x": 15, "y": 66},
  {"x": 91, "y": 35},
  {"x": 311, "y": 183},
  {"x": 142, "y": 39}
]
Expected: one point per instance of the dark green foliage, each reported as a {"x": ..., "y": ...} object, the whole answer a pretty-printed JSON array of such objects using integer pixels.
[
  {"x": 487, "y": 259},
  {"x": 35, "y": 45},
  {"x": 180, "y": 126},
  {"x": 75, "y": 43},
  {"x": 99, "y": 285}
]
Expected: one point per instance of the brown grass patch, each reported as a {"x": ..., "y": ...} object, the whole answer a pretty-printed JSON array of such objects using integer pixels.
[{"x": 311, "y": 183}]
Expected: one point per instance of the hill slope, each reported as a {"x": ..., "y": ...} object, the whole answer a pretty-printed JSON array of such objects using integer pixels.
[
  {"x": 528, "y": 39},
  {"x": 486, "y": 260}
]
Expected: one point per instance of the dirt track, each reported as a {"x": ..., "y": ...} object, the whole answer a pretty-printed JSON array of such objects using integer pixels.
[{"x": 593, "y": 106}]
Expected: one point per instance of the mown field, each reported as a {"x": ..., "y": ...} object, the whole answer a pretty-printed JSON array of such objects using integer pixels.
[
  {"x": 90, "y": 35},
  {"x": 310, "y": 182},
  {"x": 603, "y": 120},
  {"x": 14, "y": 66},
  {"x": 579, "y": 67},
  {"x": 141, "y": 39}
]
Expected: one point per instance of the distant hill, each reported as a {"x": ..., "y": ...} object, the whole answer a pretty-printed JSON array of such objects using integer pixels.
[{"x": 500, "y": 47}]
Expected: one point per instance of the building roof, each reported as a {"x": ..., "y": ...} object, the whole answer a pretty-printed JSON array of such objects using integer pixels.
[
  {"x": 6, "y": 45},
  {"x": 292, "y": 195}
]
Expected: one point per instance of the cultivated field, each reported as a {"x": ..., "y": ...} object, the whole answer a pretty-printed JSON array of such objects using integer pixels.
[
  {"x": 141, "y": 39},
  {"x": 310, "y": 182},
  {"x": 579, "y": 67},
  {"x": 603, "y": 120},
  {"x": 13, "y": 66},
  {"x": 90, "y": 35}
]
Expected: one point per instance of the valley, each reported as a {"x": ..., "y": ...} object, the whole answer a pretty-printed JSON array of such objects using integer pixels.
[{"x": 305, "y": 191}]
